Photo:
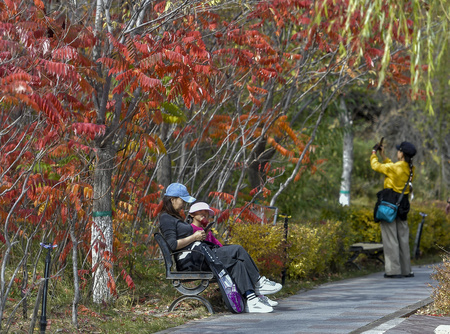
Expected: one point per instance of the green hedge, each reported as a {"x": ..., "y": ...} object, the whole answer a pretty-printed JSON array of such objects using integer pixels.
[
  {"x": 436, "y": 228},
  {"x": 322, "y": 247},
  {"x": 435, "y": 233},
  {"x": 317, "y": 248}
]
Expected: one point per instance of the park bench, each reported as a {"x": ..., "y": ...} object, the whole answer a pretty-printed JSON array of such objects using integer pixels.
[
  {"x": 189, "y": 283},
  {"x": 371, "y": 249}
]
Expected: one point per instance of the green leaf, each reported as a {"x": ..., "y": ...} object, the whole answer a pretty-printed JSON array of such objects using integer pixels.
[{"x": 171, "y": 113}]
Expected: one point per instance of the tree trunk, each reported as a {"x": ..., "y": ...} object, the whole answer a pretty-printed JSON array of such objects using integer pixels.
[
  {"x": 76, "y": 280},
  {"x": 260, "y": 158},
  {"x": 102, "y": 230},
  {"x": 347, "y": 154},
  {"x": 36, "y": 308},
  {"x": 164, "y": 168},
  {"x": 23, "y": 294}
]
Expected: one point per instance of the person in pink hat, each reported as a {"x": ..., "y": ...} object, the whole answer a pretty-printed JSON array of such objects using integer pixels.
[
  {"x": 183, "y": 240},
  {"x": 199, "y": 214}
]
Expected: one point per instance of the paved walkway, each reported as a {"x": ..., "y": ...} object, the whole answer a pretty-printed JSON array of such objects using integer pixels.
[{"x": 369, "y": 305}]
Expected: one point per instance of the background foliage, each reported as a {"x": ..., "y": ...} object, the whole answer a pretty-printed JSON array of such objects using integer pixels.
[{"x": 103, "y": 106}]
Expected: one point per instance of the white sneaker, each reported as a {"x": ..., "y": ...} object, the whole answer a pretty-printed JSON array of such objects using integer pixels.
[
  {"x": 266, "y": 300},
  {"x": 255, "y": 305},
  {"x": 267, "y": 287}
]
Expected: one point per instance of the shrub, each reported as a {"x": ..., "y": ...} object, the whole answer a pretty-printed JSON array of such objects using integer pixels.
[
  {"x": 441, "y": 292},
  {"x": 359, "y": 220},
  {"x": 265, "y": 244},
  {"x": 362, "y": 227},
  {"x": 435, "y": 234},
  {"x": 316, "y": 248},
  {"x": 322, "y": 247}
]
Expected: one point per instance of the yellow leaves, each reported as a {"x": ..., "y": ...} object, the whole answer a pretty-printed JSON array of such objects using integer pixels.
[
  {"x": 41, "y": 209},
  {"x": 132, "y": 146},
  {"x": 312, "y": 246},
  {"x": 270, "y": 258},
  {"x": 351, "y": 73},
  {"x": 127, "y": 206},
  {"x": 161, "y": 145},
  {"x": 125, "y": 211},
  {"x": 88, "y": 192},
  {"x": 172, "y": 113}
]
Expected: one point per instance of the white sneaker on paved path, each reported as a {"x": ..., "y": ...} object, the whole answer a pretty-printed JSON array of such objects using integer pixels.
[
  {"x": 267, "y": 287},
  {"x": 255, "y": 305},
  {"x": 266, "y": 300}
]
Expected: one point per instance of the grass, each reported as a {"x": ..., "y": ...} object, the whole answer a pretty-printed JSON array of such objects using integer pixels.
[{"x": 144, "y": 310}]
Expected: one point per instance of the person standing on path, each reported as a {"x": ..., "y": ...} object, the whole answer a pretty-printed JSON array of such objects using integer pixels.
[
  {"x": 181, "y": 236},
  {"x": 395, "y": 235}
]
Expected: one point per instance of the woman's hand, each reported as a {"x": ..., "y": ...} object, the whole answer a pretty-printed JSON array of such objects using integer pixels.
[{"x": 199, "y": 235}]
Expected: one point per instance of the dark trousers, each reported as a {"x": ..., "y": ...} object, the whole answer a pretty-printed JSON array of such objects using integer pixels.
[{"x": 240, "y": 265}]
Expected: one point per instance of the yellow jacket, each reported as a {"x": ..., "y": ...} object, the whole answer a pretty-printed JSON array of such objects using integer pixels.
[{"x": 396, "y": 173}]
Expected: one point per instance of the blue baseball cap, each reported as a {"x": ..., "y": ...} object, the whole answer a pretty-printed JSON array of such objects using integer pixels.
[
  {"x": 179, "y": 190},
  {"x": 407, "y": 148}
]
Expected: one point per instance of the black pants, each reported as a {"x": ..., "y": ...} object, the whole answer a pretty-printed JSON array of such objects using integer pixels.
[
  {"x": 240, "y": 265},
  {"x": 235, "y": 258}
]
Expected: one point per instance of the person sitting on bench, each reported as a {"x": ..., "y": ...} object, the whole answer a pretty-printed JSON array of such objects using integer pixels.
[
  {"x": 181, "y": 236},
  {"x": 199, "y": 214}
]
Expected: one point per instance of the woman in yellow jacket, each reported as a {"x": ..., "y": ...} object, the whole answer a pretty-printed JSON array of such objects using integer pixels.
[{"x": 395, "y": 235}]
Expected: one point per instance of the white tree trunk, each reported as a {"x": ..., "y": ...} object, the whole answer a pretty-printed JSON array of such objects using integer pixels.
[
  {"x": 76, "y": 280},
  {"x": 347, "y": 154},
  {"x": 102, "y": 230},
  {"x": 101, "y": 240}
]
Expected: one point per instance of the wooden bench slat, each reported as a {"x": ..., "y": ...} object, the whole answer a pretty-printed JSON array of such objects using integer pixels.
[{"x": 372, "y": 250}]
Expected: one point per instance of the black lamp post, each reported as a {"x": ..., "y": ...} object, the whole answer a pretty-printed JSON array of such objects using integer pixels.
[
  {"x": 286, "y": 227},
  {"x": 43, "y": 321},
  {"x": 418, "y": 236}
]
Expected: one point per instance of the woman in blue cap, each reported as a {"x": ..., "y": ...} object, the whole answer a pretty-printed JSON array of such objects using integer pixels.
[
  {"x": 395, "y": 235},
  {"x": 181, "y": 236}
]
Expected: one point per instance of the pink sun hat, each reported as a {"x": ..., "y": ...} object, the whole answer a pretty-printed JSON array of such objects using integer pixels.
[{"x": 199, "y": 206}]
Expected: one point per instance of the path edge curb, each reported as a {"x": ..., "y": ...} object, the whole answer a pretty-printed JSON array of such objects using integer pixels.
[{"x": 402, "y": 313}]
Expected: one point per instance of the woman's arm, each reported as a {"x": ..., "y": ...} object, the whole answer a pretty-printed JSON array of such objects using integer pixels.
[
  {"x": 378, "y": 166},
  {"x": 177, "y": 233},
  {"x": 197, "y": 236}
]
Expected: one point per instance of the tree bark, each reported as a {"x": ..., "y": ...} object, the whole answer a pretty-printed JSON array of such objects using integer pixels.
[
  {"x": 347, "y": 154},
  {"x": 102, "y": 230},
  {"x": 76, "y": 280},
  {"x": 261, "y": 157},
  {"x": 164, "y": 171}
]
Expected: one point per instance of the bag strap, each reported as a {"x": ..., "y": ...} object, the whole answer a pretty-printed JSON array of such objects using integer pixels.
[{"x": 406, "y": 185}]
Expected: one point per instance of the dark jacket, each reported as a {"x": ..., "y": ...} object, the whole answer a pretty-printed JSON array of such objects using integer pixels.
[{"x": 188, "y": 258}]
